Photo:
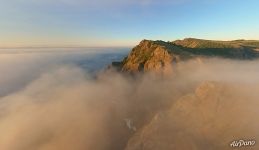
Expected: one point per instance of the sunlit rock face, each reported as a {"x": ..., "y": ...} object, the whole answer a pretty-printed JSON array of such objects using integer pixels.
[
  {"x": 211, "y": 117},
  {"x": 162, "y": 57},
  {"x": 149, "y": 56}
]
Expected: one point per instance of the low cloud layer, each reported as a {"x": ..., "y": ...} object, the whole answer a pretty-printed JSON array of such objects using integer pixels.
[{"x": 64, "y": 108}]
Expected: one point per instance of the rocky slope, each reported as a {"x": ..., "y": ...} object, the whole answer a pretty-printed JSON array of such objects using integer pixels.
[
  {"x": 208, "y": 119},
  {"x": 160, "y": 56}
]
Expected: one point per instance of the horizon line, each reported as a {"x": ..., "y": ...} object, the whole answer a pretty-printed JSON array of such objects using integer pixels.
[
  {"x": 31, "y": 47},
  {"x": 117, "y": 46}
]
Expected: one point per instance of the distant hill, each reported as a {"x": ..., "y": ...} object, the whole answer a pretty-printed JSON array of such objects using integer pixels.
[
  {"x": 200, "y": 43},
  {"x": 159, "y": 56}
]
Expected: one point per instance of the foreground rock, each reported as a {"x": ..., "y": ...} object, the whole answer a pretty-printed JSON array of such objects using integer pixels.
[{"x": 208, "y": 119}]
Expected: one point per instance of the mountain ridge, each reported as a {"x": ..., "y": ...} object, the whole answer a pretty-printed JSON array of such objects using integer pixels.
[{"x": 159, "y": 56}]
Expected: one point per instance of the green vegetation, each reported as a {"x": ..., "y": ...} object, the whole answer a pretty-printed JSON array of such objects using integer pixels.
[
  {"x": 229, "y": 49},
  {"x": 199, "y": 43}
]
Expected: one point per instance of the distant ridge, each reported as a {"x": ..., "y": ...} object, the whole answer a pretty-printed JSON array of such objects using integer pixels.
[{"x": 201, "y": 43}]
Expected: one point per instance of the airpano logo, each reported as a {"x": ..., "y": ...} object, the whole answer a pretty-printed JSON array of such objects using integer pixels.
[{"x": 242, "y": 143}]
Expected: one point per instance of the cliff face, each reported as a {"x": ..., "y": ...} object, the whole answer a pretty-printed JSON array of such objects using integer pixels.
[
  {"x": 162, "y": 57},
  {"x": 150, "y": 56}
]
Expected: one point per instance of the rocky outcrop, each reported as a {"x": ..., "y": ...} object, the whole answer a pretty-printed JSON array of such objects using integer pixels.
[
  {"x": 152, "y": 56},
  {"x": 163, "y": 57}
]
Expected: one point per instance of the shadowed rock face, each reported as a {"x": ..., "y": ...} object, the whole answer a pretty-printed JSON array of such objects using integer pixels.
[
  {"x": 162, "y": 57},
  {"x": 209, "y": 118}
]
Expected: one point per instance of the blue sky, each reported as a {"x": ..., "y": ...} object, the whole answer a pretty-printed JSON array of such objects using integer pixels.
[{"x": 123, "y": 22}]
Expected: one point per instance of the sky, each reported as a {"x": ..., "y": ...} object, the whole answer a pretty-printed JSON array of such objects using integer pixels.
[{"x": 100, "y": 23}]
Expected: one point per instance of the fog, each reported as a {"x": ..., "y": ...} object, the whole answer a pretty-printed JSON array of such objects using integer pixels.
[
  {"x": 51, "y": 101},
  {"x": 21, "y": 66}
]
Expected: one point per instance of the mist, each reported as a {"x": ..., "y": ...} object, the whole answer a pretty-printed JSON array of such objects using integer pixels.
[{"x": 50, "y": 103}]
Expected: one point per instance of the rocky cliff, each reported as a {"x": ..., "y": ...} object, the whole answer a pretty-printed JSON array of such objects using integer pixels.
[
  {"x": 157, "y": 56},
  {"x": 161, "y": 57}
]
